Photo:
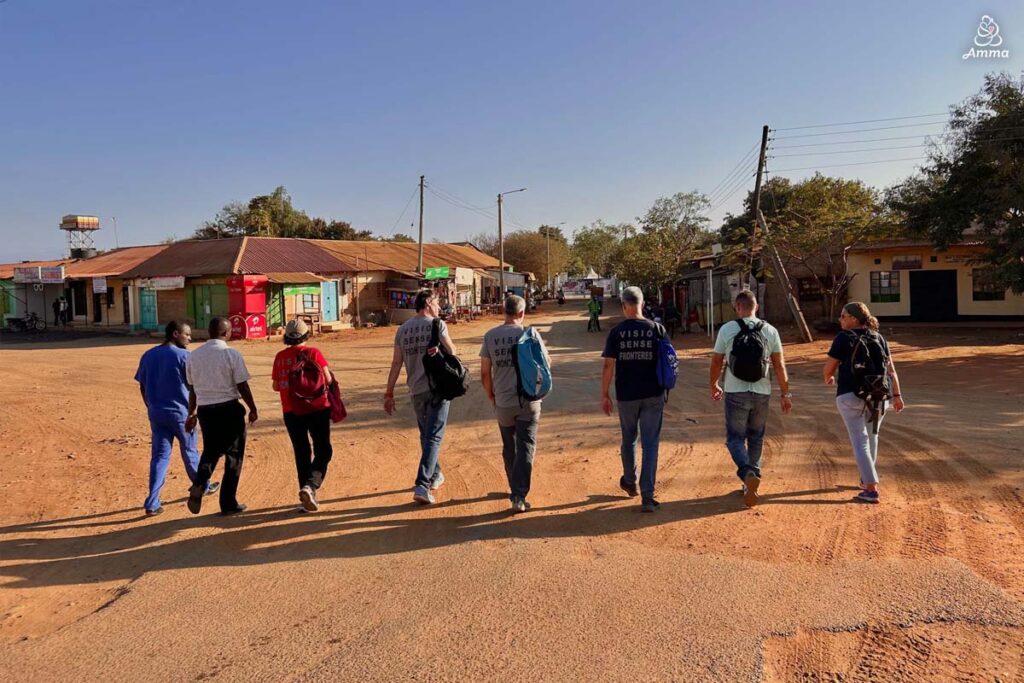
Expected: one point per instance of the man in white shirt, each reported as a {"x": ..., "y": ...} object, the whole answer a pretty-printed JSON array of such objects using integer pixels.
[
  {"x": 217, "y": 378},
  {"x": 751, "y": 345}
]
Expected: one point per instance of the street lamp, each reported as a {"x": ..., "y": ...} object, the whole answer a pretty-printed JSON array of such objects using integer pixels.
[{"x": 501, "y": 247}]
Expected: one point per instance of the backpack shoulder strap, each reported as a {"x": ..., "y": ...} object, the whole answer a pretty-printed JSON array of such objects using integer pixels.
[{"x": 435, "y": 332}]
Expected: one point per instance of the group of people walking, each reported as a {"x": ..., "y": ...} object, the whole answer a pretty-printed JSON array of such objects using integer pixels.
[{"x": 209, "y": 385}]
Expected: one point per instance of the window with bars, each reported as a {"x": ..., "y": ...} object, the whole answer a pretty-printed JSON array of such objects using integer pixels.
[
  {"x": 985, "y": 286},
  {"x": 885, "y": 286},
  {"x": 808, "y": 289}
]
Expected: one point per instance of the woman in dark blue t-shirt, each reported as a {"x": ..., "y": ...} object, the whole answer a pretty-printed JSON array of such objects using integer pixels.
[{"x": 856, "y": 321}]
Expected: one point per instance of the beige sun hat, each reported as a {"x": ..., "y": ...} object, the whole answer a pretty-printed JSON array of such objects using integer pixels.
[{"x": 296, "y": 329}]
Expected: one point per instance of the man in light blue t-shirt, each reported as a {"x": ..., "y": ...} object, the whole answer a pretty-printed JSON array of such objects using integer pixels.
[{"x": 746, "y": 399}]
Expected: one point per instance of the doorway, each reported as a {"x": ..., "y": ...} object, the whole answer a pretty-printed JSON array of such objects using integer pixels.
[{"x": 933, "y": 296}]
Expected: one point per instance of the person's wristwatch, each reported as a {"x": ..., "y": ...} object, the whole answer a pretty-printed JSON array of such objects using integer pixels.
[{"x": 788, "y": 394}]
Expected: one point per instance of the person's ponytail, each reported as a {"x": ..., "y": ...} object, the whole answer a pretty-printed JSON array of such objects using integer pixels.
[
  {"x": 872, "y": 323},
  {"x": 859, "y": 311}
]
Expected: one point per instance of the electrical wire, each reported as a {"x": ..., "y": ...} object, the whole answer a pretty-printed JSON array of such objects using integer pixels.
[
  {"x": 861, "y": 130},
  {"x": 850, "y": 151},
  {"x": 401, "y": 215},
  {"x": 751, "y": 164},
  {"x": 742, "y": 160},
  {"x": 859, "y": 163},
  {"x": 854, "y": 123}
]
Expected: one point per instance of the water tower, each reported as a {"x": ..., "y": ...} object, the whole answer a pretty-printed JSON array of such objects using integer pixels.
[{"x": 80, "y": 230}]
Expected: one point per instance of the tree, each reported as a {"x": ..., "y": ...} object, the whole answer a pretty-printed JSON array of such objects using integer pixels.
[
  {"x": 526, "y": 251},
  {"x": 976, "y": 180},
  {"x": 595, "y": 245},
  {"x": 672, "y": 232},
  {"x": 273, "y": 215},
  {"x": 819, "y": 221},
  {"x": 486, "y": 242},
  {"x": 400, "y": 237}
]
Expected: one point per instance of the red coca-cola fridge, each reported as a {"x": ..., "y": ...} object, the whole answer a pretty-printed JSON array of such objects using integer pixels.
[{"x": 247, "y": 306}]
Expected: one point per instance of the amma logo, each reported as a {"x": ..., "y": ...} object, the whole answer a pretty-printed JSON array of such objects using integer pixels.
[{"x": 988, "y": 39}]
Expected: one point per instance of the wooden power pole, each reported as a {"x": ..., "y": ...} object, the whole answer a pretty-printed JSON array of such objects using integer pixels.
[
  {"x": 780, "y": 273},
  {"x": 419, "y": 262},
  {"x": 757, "y": 203},
  {"x": 501, "y": 258}
]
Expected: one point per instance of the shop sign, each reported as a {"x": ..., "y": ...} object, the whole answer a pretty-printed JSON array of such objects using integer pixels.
[
  {"x": 51, "y": 275},
  {"x": 99, "y": 285},
  {"x": 168, "y": 282},
  {"x": 29, "y": 275},
  {"x": 252, "y": 326},
  {"x": 437, "y": 273},
  {"x": 295, "y": 290}
]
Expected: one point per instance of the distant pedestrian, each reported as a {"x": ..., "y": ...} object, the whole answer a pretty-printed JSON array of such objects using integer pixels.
[
  {"x": 162, "y": 383},
  {"x": 217, "y": 378},
  {"x": 63, "y": 311},
  {"x": 411, "y": 342},
  {"x": 672, "y": 318},
  {"x": 300, "y": 374},
  {"x": 861, "y": 367},
  {"x": 751, "y": 345},
  {"x": 56, "y": 311},
  {"x": 517, "y": 416},
  {"x": 594, "y": 311},
  {"x": 630, "y": 356}
]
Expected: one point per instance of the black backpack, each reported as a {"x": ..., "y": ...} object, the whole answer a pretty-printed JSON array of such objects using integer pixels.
[
  {"x": 448, "y": 377},
  {"x": 748, "y": 360},
  {"x": 869, "y": 367}
]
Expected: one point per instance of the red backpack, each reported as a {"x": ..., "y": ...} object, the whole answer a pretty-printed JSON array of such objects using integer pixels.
[{"x": 307, "y": 386}]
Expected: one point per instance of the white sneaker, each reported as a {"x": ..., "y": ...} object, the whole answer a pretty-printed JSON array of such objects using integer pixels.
[
  {"x": 422, "y": 495},
  {"x": 308, "y": 498},
  {"x": 437, "y": 483}
]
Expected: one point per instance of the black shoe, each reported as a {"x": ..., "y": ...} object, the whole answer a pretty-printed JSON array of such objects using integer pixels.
[
  {"x": 631, "y": 490},
  {"x": 226, "y": 513},
  {"x": 195, "y": 500},
  {"x": 650, "y": 505},
  {"x": 212, "y": 488},
  {"x": 154, "y": 513}
]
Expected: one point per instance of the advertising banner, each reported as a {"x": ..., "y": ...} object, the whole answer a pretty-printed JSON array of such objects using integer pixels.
[
  {"x": 99, "y": 285},
  {"x": 51, "y": 275}
]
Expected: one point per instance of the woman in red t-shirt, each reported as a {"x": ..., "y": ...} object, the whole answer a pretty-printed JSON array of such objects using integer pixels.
[{"x": 306, "y": 416}]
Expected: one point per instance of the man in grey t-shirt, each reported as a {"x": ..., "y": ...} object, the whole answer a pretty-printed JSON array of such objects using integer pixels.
[
  {"x": 411, "y": 342},
  {"x": 517, "y": 417}
]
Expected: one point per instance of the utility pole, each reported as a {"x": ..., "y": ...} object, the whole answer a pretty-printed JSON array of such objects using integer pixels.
[
  {"x": 501, "y": 257},
  {"x": 419, "y": 262},
  {"x": 501, "y": 247},
  {"x": 757, "y": 202},
  {"x": 780, "y": 273},
  {"x": 547, "y": 247}
]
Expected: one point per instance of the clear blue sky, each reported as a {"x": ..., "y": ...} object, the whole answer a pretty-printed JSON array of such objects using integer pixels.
[{"x": 159, "y": 113}]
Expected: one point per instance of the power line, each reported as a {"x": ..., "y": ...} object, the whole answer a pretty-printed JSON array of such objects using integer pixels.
[
  {"x": 849, "y": 151},
  {"x": 395, "y": 226},
  {"x": 860, "y": 130},
  {"x": 899, "y": 137},
  {"x": 859, "y": 163},
  {"x": 732, "y": 189},
  {"x": 743, "y": 172},
  {"x": 854, "y": 123},
  {"x": 742, "y": 160}
]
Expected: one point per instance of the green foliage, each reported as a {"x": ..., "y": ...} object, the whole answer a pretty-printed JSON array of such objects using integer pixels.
[
  {"x": 672, "y": 233},
  {"x": 273, "y": 215},
  {"x": 527, "y": 251},
  {"x": 595, "y": 246},
  {"x": 975, "y": 182}
]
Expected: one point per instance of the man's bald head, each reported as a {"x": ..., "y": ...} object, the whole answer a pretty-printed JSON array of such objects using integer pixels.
[{"x": 220, "y": 328}]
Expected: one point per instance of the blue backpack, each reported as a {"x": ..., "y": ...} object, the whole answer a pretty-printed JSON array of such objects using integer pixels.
[
  {"x": 533, "y": 372},
  {"x": 668, "y": 363}
]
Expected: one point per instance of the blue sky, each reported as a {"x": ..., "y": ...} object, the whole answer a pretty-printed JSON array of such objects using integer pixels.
[{"x": 159, "y": 113}]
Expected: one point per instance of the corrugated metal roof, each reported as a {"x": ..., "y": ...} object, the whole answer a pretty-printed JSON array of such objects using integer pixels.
[
  {"x": 916, "y": 244},
  {"x": 293, "y": 278},
  {"x": 403, "y": 256},
  {"x": 191, "y": 258},
  {"x": 7, "y": 269},
  {"x": 283, "y": 255},
  {"x": 239, "y": 255},
  {"x": 113, "y": 262}
]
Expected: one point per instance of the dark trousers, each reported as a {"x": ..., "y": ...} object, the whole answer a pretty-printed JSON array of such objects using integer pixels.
[
  {"x": 223, "y": 426},
  {"x": 310, "y": 463},
  {"x": 518, "y": 427}
]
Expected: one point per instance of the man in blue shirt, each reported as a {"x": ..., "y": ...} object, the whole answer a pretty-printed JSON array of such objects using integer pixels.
[
  {"x": 161, "y": 378},
  {"x": 746, "y": 400}
]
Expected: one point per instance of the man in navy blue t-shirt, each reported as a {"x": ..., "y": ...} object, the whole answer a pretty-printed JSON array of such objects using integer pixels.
[
  {"x": 161, "y": 378},
  {"x": 630, "y": 355}
]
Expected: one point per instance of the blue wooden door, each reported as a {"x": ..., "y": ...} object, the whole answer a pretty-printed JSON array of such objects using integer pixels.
[
  {"x": 329, "y": 300},
  {"x": 147, "y": 309}
]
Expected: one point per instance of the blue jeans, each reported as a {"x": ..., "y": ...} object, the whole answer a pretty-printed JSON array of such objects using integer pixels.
[
  {"x": 165, "y": 432},
  {"x": 862, "y": 436},
  {"x": 518, "y": 427},
  {"x": 431, "y": 416},
  {"x": 643, "y": 416},
  {"x": 746, "y": 413}
]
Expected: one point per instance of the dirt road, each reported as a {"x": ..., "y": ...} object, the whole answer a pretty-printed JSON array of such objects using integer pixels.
[{"x": 810, "y": 586}]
